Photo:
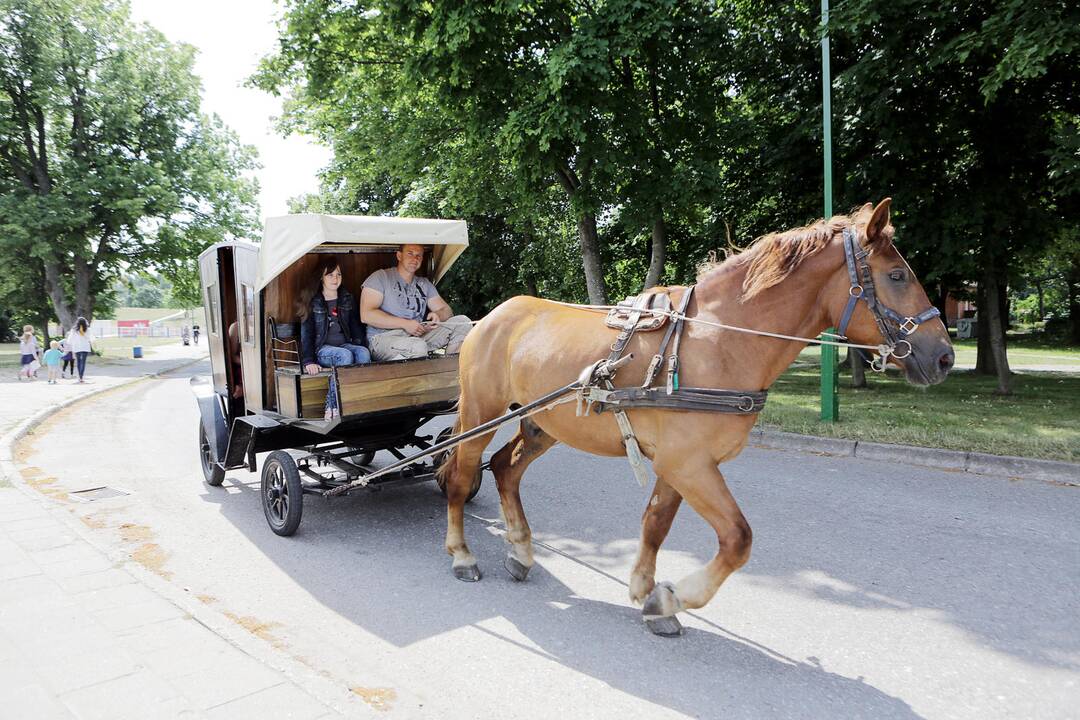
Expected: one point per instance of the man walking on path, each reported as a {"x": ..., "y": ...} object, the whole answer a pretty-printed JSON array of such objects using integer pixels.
[{"x": 405, "y": 315}]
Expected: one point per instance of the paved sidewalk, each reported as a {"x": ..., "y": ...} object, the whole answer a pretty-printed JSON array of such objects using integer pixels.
[{"x": 86, "y": 635}]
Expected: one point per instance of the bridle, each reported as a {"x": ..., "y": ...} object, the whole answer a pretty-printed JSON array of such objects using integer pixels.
[{"x": 893, "y": 334}]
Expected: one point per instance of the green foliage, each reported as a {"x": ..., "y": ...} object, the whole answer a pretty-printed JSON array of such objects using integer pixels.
[
  {"x": 105, "y": 160},
  {"x": 527, "y": 117}
]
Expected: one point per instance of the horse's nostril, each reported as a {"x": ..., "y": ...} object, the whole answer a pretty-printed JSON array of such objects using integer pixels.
[{"x": 945, "y": 362}]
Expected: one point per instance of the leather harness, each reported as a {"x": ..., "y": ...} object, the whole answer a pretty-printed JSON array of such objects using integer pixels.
[{"x": 597, "y": 388}]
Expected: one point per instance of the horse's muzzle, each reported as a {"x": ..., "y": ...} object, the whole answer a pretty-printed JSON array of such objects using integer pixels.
[{"x": 930, "y": 361}]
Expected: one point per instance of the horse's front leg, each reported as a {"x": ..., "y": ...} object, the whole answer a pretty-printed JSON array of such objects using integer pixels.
[
  {"x": 705, "y": 490},
  {"x": 655, "y": 524}
]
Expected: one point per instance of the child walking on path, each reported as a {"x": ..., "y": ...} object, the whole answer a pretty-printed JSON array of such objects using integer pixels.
[
  {"x": 79, "y": 342},
  {"x": 52, "y": 361},
  {"x": 28, "y": 352}
]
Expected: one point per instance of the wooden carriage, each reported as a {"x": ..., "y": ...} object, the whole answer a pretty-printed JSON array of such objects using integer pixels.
[{"x": 258, "y": 398}]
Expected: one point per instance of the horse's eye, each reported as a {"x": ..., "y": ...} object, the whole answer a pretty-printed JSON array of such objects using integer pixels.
[{"x": 898, "y": 275}]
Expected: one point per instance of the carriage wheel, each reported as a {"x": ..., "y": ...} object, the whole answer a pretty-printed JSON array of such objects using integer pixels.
[
  {"x": 365, "y": 458},
  {"x": 442, "y": 457},
  {"x": 282, "y": 493},
  {"x": 212, "y": 472}
]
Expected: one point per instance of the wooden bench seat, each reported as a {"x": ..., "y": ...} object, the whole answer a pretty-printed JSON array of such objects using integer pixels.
[{"x": 369, "y": 388}]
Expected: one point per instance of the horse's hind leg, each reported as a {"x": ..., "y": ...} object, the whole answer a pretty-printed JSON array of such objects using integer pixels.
[
  {"x": 655, "y": 524},
  {"x": 460, "y": 472},
  {"x": 707, "y": 493},
  {"x": 508, "y": 465}
]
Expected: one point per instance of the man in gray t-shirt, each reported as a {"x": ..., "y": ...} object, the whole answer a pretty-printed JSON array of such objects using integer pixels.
[{"x": 404, "y": 314}]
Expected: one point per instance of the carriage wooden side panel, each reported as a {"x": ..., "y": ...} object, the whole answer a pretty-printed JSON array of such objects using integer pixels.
[{"x": 370, "y": 388}]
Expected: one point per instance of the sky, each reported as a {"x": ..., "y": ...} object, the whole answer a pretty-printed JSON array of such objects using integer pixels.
[{"x": 231, "y": 36}]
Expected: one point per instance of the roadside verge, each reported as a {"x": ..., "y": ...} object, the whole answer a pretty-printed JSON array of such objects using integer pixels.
[{"x": 1053, "y": 471}]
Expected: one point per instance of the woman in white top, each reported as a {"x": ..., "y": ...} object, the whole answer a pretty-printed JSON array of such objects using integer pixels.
[{"x": 79, "y": 342}]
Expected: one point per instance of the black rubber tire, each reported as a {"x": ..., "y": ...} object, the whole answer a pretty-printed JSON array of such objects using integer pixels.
[
  {"x": 213, "y": 473},
  {"x": 442, "y": 457},
  {"x": 282, "y": 493},
  {"x": 365, "y": 459}
]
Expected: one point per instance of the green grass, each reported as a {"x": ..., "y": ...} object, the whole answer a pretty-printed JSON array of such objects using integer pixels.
[{"x": 1041, "y": 419}]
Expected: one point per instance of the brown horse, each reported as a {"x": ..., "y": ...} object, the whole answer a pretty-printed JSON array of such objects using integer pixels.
[{"x": 794, "y": 283}]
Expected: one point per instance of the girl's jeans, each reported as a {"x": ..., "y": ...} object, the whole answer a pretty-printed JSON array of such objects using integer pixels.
[
  {"x": 80, "y": 360},
  {"x": 334, "y": 356}
]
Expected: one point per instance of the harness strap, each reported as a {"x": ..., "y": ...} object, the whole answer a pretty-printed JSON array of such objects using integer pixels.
[
  {"x": 862, "y": 288},
  {"x": 673, "y": 359},
  {"x": 688, "y": 399},
  {"x": 673, "y": 327},
  {"x": 629, "y": 327}
]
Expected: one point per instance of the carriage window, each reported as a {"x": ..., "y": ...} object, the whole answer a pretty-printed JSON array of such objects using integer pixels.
[
  {"x": 247, "y": 298},
  {"x": 212, "y": 307}
]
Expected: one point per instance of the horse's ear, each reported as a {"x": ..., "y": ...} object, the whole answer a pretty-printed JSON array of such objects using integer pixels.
[{"x": 876, "y": 234}]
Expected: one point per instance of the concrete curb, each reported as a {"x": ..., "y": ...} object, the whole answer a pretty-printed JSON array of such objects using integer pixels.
[{"x": 1064, "y": 473}]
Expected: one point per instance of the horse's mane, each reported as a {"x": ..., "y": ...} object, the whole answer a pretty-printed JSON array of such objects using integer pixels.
[{"x": 772, "y": 258}]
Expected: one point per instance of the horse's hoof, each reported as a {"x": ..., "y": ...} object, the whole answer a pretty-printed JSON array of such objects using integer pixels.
[
  {"x": 515, "y": 567},
  {"x": 467, "y": 573},
  {"x": 664, "y": 626},
  {"x": 661, "y": 602}
]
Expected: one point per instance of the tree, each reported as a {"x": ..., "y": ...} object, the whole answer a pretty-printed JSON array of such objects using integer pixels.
[
  {"x": 962, "y": 120},
  {"x": 105, "y": 161},
  {"x": 616, "y": 105}
]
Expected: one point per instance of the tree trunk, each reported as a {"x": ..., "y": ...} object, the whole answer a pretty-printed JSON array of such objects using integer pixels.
[
  {"x": 84, "y": 302},
  {"x": 587, "y": 235},
  {"x": 659, "y": 251},
  {"x": 996, "y": 334},
  {"x": 1072, "y": 283},
  {"x": 590, "y": 258},
  {"x": 985, "y": 361},
  {"x": 858, "y": 368},
  {"x": 54, "y": 287}
]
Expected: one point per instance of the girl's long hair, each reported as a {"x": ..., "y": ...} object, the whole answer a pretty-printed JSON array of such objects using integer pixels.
[
  {"x": 326, "y": 265},
  {"x": 82, "y": 326}
]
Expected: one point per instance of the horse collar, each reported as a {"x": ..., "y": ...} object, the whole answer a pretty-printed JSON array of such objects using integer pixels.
[{"x": 862, "y": 288}]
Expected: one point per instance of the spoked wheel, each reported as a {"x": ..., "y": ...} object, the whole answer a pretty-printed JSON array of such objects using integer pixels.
[
  {"x": 282, "y": 493},
  {"x": 212, "y": 472},
  {"x": 444, "y": 456}
]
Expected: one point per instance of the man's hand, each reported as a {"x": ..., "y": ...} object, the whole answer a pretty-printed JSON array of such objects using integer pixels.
[
  {"x": 312, "y": 368},
  {"x": 414, "y": 328}
]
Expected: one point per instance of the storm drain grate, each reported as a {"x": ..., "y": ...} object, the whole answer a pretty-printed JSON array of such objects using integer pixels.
[{"x": 98, "y": 493}]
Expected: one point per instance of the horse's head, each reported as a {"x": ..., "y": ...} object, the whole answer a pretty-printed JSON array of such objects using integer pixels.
[{"x": 885, "y": 304}]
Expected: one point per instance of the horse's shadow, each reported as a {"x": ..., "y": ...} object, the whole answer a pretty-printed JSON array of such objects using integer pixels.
[{"x": 392, "y": 579}]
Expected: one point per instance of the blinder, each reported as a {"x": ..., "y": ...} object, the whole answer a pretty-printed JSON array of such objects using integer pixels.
[{"x": 862, "y": 288}]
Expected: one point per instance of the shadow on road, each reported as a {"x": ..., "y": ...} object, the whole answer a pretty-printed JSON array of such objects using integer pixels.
[{"x": 365, "y": 556}]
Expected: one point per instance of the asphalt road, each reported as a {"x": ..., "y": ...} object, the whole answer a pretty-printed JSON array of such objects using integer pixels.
[{"x": 877, "y": 591}]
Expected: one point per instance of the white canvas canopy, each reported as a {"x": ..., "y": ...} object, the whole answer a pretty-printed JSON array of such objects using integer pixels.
[{"x": 289, "y": 237}]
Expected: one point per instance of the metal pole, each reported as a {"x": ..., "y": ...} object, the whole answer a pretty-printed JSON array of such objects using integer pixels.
[{"x": 830, "y": 399}]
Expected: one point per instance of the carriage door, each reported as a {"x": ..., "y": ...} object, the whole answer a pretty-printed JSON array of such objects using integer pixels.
[
  {"x": 210, "y": 279},
  {"x": 248, "y": 326}
]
